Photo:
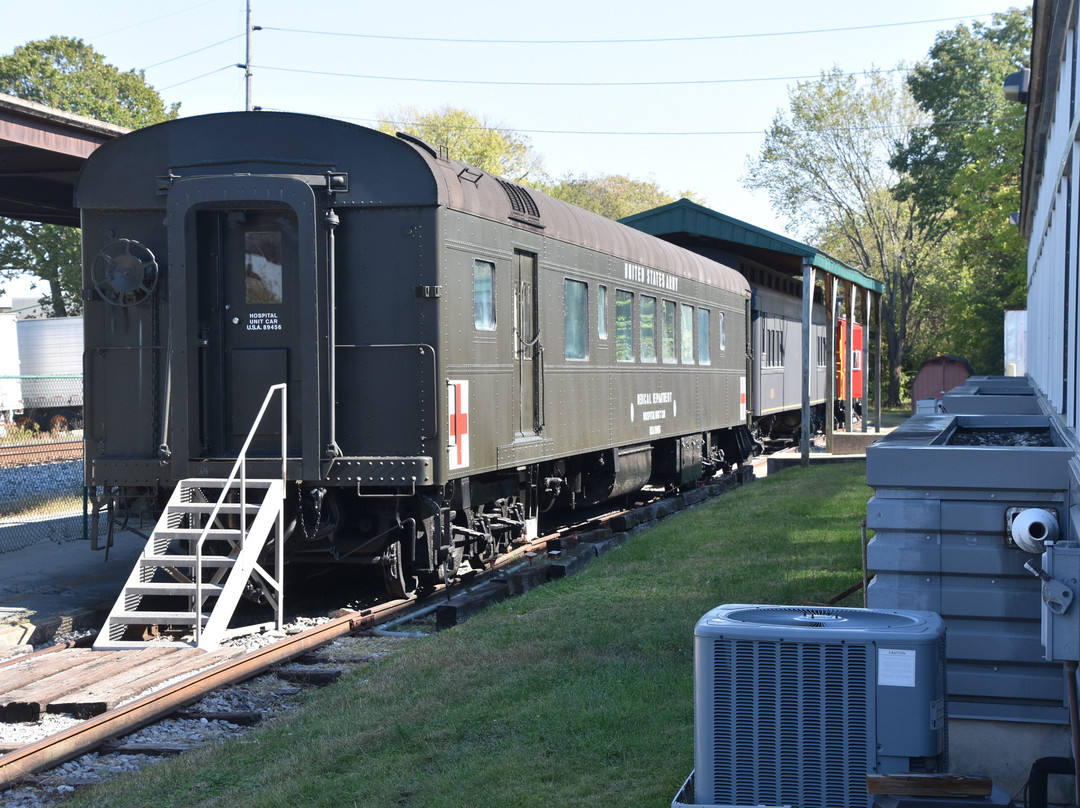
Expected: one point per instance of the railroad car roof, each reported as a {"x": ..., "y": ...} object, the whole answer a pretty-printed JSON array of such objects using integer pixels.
[
  {"x": 131, "y": 172},
  {"x": 463, "y": 187}
]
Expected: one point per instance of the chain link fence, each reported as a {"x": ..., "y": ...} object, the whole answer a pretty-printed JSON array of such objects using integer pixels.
[{"x": 41, "y": 469}]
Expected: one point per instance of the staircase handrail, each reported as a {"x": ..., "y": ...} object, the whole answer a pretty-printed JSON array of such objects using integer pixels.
[{"x": 240, "y": 466}]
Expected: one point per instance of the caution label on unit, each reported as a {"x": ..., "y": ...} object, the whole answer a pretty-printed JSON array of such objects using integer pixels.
[
  {"x": 896, "y": 667},
  {"x": 742, "y": 398},
  {"x": 457, "y": 408}
]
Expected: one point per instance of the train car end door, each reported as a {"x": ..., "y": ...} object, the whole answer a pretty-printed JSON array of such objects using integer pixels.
[{"x": 248, "y": 285}]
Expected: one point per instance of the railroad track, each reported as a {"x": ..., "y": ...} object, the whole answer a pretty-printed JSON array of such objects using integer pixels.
[
  {"x": 107, "y": 690},
  {"x": 44, "y": 452}
]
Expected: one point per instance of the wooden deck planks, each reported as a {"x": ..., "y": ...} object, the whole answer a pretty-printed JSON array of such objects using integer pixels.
[
  {"x": 28, "y": 702},
  {"x": 105, "y": 694},
  {"x": 34, "y": 669}
]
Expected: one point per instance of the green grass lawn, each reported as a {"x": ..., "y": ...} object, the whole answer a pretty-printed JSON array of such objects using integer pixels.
[
  {"x": 579, "y": 693},
  {"x": 894, "y": 416}
]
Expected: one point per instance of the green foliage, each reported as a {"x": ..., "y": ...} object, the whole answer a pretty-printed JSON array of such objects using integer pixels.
[
  {"x": 579, "y": 693},
  {"x": 963, "y": 169},
  {"x": 20, "y": 434},
  {"x": 52, "y": 253},
  {"x": 471, "y": 140},
  {"x": 69, "y": 75},
  {"x": 825, "y": 165},
  {"x": 612, "y": 195}
]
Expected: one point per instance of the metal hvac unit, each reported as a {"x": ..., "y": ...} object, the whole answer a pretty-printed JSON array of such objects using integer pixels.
[{"x": 795, "y": 706}]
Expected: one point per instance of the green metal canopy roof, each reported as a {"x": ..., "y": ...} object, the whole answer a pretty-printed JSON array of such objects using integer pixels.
[{"x": 697, "y": 221}]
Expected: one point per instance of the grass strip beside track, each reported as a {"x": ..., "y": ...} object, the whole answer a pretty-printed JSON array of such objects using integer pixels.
[{"x": 579, "y": 693}]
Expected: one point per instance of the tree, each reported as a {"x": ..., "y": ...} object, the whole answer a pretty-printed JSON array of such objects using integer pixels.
[
  {"x": 825, "y": 165},
  {"x": 964, "y": 167},
  {"x": 471, "y": 140},
  {"x": 69, "y": 75},
  {"x": 611, "y": 195}
]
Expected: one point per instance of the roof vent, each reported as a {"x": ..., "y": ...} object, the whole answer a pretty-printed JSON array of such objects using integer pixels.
[{"x": 521, "y": 202}]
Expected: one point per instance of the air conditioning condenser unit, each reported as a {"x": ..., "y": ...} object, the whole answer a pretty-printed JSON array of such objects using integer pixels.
[{"x": 796, "y": 705}]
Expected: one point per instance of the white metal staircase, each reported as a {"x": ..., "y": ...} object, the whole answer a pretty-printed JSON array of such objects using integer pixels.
[{"x": 201, "y": 556}]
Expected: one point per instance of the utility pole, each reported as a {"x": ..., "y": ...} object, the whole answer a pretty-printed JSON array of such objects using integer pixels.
[{"x": 247, "y": 63}]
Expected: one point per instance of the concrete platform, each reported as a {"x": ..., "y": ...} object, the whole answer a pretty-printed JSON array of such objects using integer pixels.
[
  {"x": 49, "y": 588},
  {"x": 847, "y": 443},
  {"x": 847, "y": 448}
]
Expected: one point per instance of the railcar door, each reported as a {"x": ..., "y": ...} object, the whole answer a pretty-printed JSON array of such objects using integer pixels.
[
  {"x": 527, "y": 353},
  {"x": 247, "y": 246},
  {"x": 247, "y": 281}
]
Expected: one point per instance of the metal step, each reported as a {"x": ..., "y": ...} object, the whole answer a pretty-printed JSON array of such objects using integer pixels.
[
  {"x": 218, "y": 484},
  {"x": 234, "y": 570},
  {"x": 179, "y": 560},
  {"x": 189, "y": 533},
  {"x": 156, "y": 618},
  {"x": 226, "y": 508},
  {"x": 134, "y": 645},
  {"x": 176, "y": 589}
]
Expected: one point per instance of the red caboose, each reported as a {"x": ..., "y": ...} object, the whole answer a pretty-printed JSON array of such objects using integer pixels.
[{"x": 856, "y": 360}]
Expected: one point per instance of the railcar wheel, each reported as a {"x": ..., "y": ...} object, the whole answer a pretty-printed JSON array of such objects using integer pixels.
[{"x": 398, "y": 582}]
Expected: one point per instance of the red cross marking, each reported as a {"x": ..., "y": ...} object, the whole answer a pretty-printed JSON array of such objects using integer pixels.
[{"x": 459, "y": 423}]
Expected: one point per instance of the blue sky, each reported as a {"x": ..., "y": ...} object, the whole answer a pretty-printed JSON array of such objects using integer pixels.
[{"x": 525, "y": 66}]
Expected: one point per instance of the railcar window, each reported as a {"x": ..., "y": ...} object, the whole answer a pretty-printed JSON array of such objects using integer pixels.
[
  {"x": 624, "y": 326},
  {"x": 576, "y": 330},
  {"x": 262, "y": 266},
  {"x": 821, "y": 352},
  {"x": 601, "y": 312},
  {"x": 483, "y": 295},
  {"x": 703, "y": 337},
  {"x": 720, "y": 327},
  {"x": 774, "y": 348},
  {"x": 667, "y": 338},
  {"x": 686, "y": 333},
  {"x": 647, "y": 325}
]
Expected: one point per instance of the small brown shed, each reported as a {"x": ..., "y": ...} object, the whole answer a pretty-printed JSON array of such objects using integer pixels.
[{"x": 938, "y": 375}]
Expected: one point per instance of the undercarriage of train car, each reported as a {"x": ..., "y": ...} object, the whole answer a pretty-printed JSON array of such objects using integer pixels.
[
  {"x": 417, "y": 539},
  {"x": 783, "y": 428}
]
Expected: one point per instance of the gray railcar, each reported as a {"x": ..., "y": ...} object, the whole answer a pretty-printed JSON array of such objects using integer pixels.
[
  {"x": 461, "y": 353},
  {"x": 777, "y": 346}
]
